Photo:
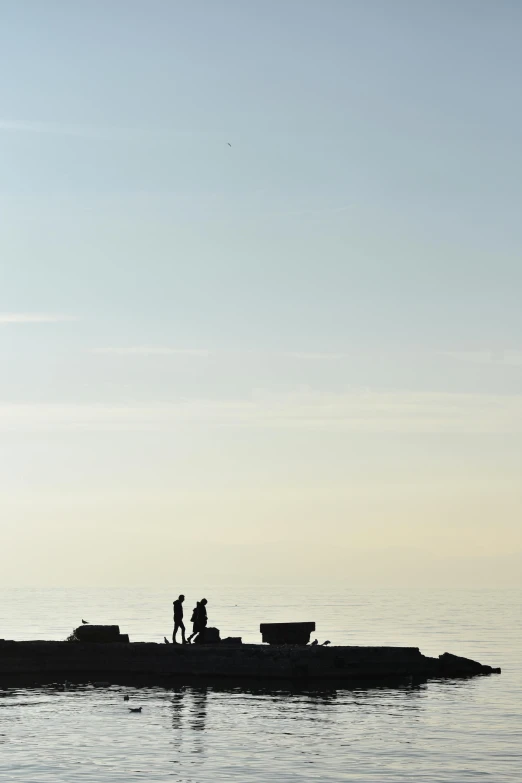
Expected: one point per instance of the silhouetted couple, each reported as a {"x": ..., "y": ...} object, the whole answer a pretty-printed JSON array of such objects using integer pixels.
[{"x": 198, "y": 620}]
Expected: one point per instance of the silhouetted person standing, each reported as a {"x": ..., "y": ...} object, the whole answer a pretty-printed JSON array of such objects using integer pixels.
[{"x": 178, "y": 619}]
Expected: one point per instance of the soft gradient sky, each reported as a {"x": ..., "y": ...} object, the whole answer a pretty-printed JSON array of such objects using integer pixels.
[{"x": 295, "y": 358}]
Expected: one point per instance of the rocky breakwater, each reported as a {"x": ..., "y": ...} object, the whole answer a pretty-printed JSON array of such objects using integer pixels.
[{"x": 123, "y": 660}]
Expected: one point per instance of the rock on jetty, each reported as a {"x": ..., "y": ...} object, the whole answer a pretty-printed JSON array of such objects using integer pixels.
[
  {"x": 286, "y": 633},
  {"x": 98, "y": 633},
  {"x": 116, "y": 660}
]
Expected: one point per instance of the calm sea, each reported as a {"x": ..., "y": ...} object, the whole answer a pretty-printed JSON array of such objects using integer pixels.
[{"x": 451, "y": 731}]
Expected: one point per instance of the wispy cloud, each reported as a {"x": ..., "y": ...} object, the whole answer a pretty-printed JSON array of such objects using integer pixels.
[
  {"x": 88, "y": 131},
  {"x": 376, "y": 412},
  {"x": 310, "y": 212},
  {"x": 34, "y": 318},
  {"x": 54, "y": 128},
  {"x": 152, "y": 350},
  {"x": 305, "y": 355},
  {"x": 511, "y": 358},
  {"x": 165, "y": 350}
]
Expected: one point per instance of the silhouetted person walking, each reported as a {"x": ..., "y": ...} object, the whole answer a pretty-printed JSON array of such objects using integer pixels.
[
  {"x": 194, "y": 621},
  {"x": 178, "y": 620},
  {"x": 201, "y": 620}
]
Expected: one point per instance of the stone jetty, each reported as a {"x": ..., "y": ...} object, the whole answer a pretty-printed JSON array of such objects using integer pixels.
[{"x": 112, "y": 662}]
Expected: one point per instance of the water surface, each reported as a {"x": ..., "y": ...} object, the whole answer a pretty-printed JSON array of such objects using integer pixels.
[{"x": 451, "y": 731}]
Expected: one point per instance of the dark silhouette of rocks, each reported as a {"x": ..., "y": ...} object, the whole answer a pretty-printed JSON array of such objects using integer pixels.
[
  {"x": 208, "y": 636},
  {"x": 101, "y": 634},
  {"x": 286, "y": 633},
  {"x": 449, "y": 663}
]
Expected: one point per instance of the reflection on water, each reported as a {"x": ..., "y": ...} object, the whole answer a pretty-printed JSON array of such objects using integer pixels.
[
  {"x": 440, "y": 732},
  {"x": 189, "y": 720},
  {"x": 177, "y": 710},
  {"x": 199, "y": 708}
]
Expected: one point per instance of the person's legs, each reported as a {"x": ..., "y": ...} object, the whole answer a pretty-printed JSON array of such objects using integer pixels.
[
  {"x": 176, "y": 626},
  {"x": 182, "y": 626}
]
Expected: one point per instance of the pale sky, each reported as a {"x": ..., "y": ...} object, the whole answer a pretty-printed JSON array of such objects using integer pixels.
[{"x": 297, "y": 358}]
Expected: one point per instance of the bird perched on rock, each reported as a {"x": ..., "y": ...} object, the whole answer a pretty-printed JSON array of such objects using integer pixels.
[
  {"x": 325, "y": 644},
  {"x": 314, "y": 643},
  {"x": 135, "y": 709},
  {"x": 85, "y": 622}
]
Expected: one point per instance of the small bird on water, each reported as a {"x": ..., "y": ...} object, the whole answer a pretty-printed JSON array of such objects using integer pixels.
[{"x": 135, "y": 709}]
